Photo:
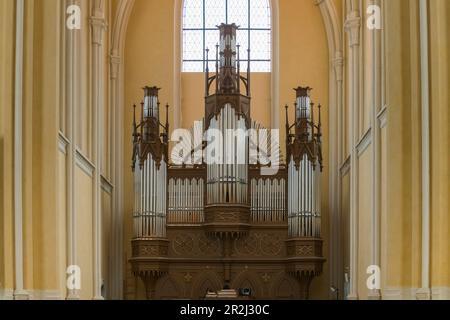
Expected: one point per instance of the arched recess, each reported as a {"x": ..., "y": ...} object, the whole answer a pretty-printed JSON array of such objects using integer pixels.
[
  {"x": 168, "y": 288},
  {"x": 203, "y": 282},
  {"x": 249, "y": 280},
  {"x": 336, "y": 64},
  {"x": 284, "y": 287}
]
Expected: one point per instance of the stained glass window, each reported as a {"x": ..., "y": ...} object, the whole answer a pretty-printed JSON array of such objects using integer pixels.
[{"x": 200, "y": 21}]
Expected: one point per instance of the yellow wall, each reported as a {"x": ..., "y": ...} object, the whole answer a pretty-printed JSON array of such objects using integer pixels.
[
  {"x": 399, "y": 149},
  {"x": 440, "y": 140},
  {"x": 7, "y": 22},
  {"x": 44, "y": 160}
]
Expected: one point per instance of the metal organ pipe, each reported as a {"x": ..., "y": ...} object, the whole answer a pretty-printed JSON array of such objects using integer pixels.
[
  {"x": 151, "y": 200},
  {"x": 303, "y": 203},
  {"x": 267, "y": 200},
  {"x": 227, "y": 181},
  {"x": 186, "y": 204}
]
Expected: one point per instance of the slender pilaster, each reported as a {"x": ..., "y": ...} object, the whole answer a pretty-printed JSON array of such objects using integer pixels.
[
  {"x": 98, "y": 26},
  {"x": 374, "y": 48},
  {"x": 424, "y": 293},
  {"x": 336, "y": 256},
  {"x": 19, "y": 292},
  {"x": 352, "y": 26},
  {"x": 72, "y": 100}
]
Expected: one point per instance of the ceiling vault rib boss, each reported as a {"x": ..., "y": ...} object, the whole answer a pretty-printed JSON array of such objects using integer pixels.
[{"x": 203, "y": 227}]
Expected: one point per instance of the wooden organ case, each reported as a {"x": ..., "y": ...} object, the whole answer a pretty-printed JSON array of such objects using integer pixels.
[{"x": 202, "y": 227}]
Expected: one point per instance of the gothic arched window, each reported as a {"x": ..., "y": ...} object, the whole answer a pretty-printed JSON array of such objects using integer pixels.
[{"x": 200, "y": 18}]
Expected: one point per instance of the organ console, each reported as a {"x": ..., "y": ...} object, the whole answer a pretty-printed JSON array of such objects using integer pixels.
[{"x": 222, "y": 212}]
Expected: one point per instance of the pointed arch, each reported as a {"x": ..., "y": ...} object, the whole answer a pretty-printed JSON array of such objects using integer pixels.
[
  {"x": 168, "y": 288},
  {"x": 247, "y": 279},
  {"x": 204, "y": 281},
  {"x": 334, "y": 37}
]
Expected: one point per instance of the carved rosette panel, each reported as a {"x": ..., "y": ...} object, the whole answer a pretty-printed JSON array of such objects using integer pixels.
[
  {"x": 249, "y": 246},
  {"x": 271, "y": 244},
  {"x": 227, "y": 220},
  {"x": 208, "y": 246},
  {"x": 301, "y": 251},
  {"x": 183, "y": 244},
  {"x": 304, "y": 257},
  {"x": 149, "y": 248},
  {"x": 227, "y": 215},
  {"x": 195, "y": 245},
  {"x": 148, "y": 260},
  {"x": 259, "y": 244},
  {"x": 304, "y": 248}
]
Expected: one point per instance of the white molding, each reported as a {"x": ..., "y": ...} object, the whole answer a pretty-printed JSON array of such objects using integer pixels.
[
  {"x": 364, "y": 143},
  {"x": 382, "y": 117},
  {"x": 72, "y": 94},
  {"x": 106, "y": 185},
  {"x": 19, "y": 292},
  {"x": 375, "y": 69},
  {"x": 426, "y": 174},
  {"x": 6, "y": 294},
  {"x": 352, "y": 26},
  {"x": 345, "y": 167},
  {"x": 98, "y": 26},
  {"x": 45, "y": 295},
  {"x": 437, "y": 293},
  {"x": 84, "y": 163},
  {"x": 399, "y": 294},
  {"x": 440, "y": 293},
  {"x": 63, "y": 142}
]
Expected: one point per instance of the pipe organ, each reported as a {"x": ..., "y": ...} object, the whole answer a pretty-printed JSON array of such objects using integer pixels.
[
  {"x": 268, "y": 200},
  {"x": 304, "y": 211},
  {"x": 223, "y": 211},
  {"x": 150, "y": 204},
  {"x": 150, "y": 176},
  {"x": 304, "y": 168},
  {"x": 227, "y": 170},
  {"x": 186, "y": 201}
]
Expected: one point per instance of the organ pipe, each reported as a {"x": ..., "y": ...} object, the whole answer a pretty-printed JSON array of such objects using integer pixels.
[
  {"x": 227, "y": 181},
  {"x": 304, "y": 168},
  {"x": 151, "y": 175},
  {"x": 186, "y": 201},
  {"x": 267, "y": 196}
]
